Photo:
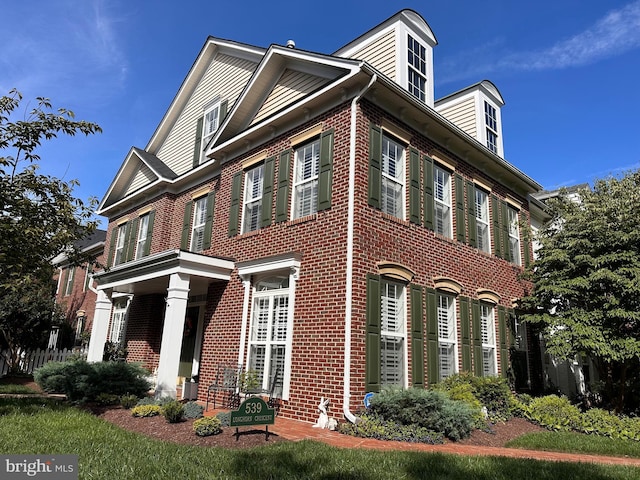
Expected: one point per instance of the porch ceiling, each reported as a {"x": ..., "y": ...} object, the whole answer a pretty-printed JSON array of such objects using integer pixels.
[{"x": 151, "y": 274}]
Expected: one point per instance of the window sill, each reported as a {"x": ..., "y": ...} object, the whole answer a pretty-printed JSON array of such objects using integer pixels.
[
  {"x": 307, "y": 218},
  {"x": 393, "y": 219}
]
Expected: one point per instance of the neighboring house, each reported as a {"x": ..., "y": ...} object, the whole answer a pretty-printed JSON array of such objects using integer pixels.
[
  {"x": 320, "y": 214},
  {"x": 75, "y": 291},
  {"x": 571, "y": 377}
]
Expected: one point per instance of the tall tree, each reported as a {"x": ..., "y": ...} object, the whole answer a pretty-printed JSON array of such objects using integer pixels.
[
  {"x": 586, "y": 280},
  {"x": 39, "y": 216}
]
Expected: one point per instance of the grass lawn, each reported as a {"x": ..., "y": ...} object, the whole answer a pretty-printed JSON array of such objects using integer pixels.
[
  {"x": 577, "y": 443},
  {"x": 37, "y": 426},
  {"x": 16, "y": 389}
]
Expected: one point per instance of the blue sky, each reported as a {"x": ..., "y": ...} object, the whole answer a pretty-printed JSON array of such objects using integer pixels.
[{"x": 568, "y": 70}]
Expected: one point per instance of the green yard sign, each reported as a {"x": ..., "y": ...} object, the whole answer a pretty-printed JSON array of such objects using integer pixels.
[{"x": 253, "y": 411}]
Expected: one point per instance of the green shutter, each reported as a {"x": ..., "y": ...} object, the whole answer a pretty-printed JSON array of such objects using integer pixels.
[
  {"x": 414, "y": 186},
  {"x": 417, "y": 337},
  {"x": 208, "y": 226},
  {"x": 282, "y": 196},
  {"x": 502, "y": 331},
  {"x": 147, "y": 241},
  {"x": 465, "y": 327},
  {"x": 471, "y": 214},
  {"x": 234, "y": 210},
  {"x": 186, "y": 225},
  {"x": 197, "y": 148},
  {"x": 325, "y": 175},
  {"x": 433, "y": 368},
  {"x": 460, "y": 216},
  {"x": 525, "y": 230},
  {"x": 477, "y": 339},
  {"x": 132, "y": 236},
  {"x": 505, "y": 232},
  {"x": 375, "y": 165},
  {"x": 267, "y": 192},
  {"x": 497, "y": 232},
  {"x": 112, "y": 246},
  {"x": 372, "y": 349},
  {"x": 428, "y": 192}
]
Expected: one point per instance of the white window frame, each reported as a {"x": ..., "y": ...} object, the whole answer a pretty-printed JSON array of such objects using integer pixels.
[
  {"x": 514, "y": 235},
  {"x": 447, "y": 334},
  {"x": 416, "y": 74},
  {"x": 488, "y": 334},
  {"x": 491, "y": 126},
  {"x": 304, "y": 200},
  {"x": 118, "y": 320},
  {"x": 143, "y": 229},
  {"x": 393, "y": 334},
  {"x": 68, "y": 286},
  {"x": 252, "y": 198},
  {"x": 119, "y": 253},
  {"x": 198, "y": 222},
  {"x": 483, "y": 231},
  {"x": 442, "y": 201},
  {"x": 393, "y": 171}
]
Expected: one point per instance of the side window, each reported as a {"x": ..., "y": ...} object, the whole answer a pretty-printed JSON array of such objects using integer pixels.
[
  {"x": 68, "y": 280},
  {"x": 305, "y": 179},
  {"x": 442, "y": 201},
  {"x": 392, "y": 334},
  {"x": 417, "y": 68},
  {"x": 143, "y": 236},
  {"x": 514, "y": 235},
  {"x": 447, "y": 335},
  {"x": 206, "y": 127},
  {"x": 121, "y": 237},
  {"x": 252, "y": 203},
  {"x": 118, "y": 321},
  {"x": 198, "y": 223},
  {"x": 481, "y": 199},
  {"x": 491, "y": 124},
  {"x": 393, "y": 177},
  {"x": 488, "y": 334}
]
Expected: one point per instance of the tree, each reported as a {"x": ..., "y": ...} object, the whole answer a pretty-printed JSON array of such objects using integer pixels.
[
  {"x": 39, "y": 217},
  {"x": 586, "y": 280}
]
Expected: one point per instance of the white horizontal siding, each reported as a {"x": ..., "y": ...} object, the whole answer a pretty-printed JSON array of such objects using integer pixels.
[
  {"x": 462, "y": 115},
  {"x": 143, "y": 177},
  {"x": 225, "y": 78},
  {"x": 291, "y": 86},
  {"x": 381, "y": 54}
]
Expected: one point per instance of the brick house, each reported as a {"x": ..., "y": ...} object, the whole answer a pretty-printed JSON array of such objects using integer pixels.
[{"x": 320, "y": 214}]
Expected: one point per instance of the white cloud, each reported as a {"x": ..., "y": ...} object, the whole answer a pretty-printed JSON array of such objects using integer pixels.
[{"x": 616, "y": 33}]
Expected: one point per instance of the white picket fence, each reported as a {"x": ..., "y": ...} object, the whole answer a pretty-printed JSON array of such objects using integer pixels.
[{"x": 30, "y": 361}]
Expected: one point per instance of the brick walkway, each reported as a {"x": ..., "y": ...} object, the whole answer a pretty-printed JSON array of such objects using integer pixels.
[{"x": 295, "y": 430}]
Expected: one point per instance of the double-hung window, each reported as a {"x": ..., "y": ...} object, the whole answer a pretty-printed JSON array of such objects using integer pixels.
[
  {"x": 392, "y": 334},
  {"x": 68, "y": 287},
  {"x": 211, "y": 122},
  {"x": 270, "y": 329},
  {"x": 514, "y": 235},
  {"x": 253, "y": 189},
  {"x": 442, "y": 201},
  {"x": 488, "y": 334},
  {"x": 491, "y": 125},
  {"x": 121, "y": 238},
  {"x": 393, "y": 177},
  {"x": 198, "y": 224},
  {"x": 482, "y": 220},
  {"x": 417, "y": 68},
  {"x": 143, "y": 230},
  {"x": 118, "y": 321},
  {"x": 447, "y": 335},
  {"x": 305, "y": 186}
]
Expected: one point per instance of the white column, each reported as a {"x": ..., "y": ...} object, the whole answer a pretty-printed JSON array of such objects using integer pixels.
[
  {"x": 175, "y": 311},
  {"x": 99, "y": 327}
]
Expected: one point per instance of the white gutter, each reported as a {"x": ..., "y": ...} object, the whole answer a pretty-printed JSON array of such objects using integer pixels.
[{"x": 349, "y": 282}]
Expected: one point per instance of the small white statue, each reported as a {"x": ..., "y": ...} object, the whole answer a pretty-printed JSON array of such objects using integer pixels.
[{"x": 323, "y": 419}]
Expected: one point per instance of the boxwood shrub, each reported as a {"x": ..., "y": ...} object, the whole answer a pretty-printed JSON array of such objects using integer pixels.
[
  {"x": 373, "y": 426},
  {"x": 203, "y": 427}
]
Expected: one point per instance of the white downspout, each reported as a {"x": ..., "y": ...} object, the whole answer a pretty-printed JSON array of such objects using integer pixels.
[{"x": 349, "y": 281}]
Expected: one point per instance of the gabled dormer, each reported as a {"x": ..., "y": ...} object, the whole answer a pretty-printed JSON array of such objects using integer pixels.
[
  {"x": 477, "y": 111},
  {"x": 402, "y": 49}
]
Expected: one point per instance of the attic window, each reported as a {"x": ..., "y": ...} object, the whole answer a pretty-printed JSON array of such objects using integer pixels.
[
  {"x": 416, "y": 68},
  {"x": 492, "y": 127},
  {"x": 211, "y": 122}
]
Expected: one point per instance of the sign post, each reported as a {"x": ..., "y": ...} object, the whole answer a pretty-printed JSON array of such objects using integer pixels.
[{"x": 253, "y": 411}]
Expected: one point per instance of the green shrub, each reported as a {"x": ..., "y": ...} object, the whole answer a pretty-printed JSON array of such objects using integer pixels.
[
  {"x": 82, "y": 381},
  {"x": 596, "y": 421},
  {"x": 193, "y": 410},
  {"x": 129, "y": 401},
  {"x": 373, "y": 426},
  {"x": 146, "y": 410},
  {"x": 106, "y": 399},
  {"x": 225, "y": 418},
  {"x": 203, "y": 427},
  {"x": 424, "y": 408},
  {"x": 554, "y": 413},
  {"x": 492, "y": 392},
  {"x": 173, "y": 412},
  {"x": 464, "y": 393}
]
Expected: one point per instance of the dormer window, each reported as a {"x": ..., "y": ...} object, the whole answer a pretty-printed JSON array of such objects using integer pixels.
[
  {"x": 416, "y": 68},
  {"x": 211, "y": 122},
  {"x": 491, "y": 124}
]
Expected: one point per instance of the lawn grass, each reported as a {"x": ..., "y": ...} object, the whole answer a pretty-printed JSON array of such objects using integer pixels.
[
  {"x": 43, "y": 426},
  {"x": 577, "y": 443},
  {"x": 13, "y": 389}
]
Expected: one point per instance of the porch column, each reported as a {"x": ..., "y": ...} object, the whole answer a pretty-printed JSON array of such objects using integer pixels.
[
  {"x": 175, "y": 311},
  {"x": 99, "y": 328}
]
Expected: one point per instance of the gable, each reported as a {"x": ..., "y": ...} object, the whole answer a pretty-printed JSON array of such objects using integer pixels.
[
  {"x": 292, "y": 86},
  {"x": 380, "y": 53},
  {"x": 141, "y": 178}
]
